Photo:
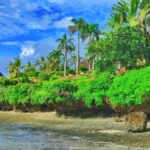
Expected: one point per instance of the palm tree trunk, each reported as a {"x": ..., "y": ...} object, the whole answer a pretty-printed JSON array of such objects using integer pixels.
[
  {"x": 65, "y": 63},
  {"x": 78, "y": 55},
  {"x": 89, "y": 67},
  {"x": 93, "y": 65}
]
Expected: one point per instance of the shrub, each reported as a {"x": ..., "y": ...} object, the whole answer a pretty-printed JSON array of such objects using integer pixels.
[
  {"x": 40, "y": 93},
  {"x": 2, "y": 93},
  {"x": 6, "y": 81},
  {"x": 131, "y": 88},
  {"x": 71, "y": 71},
  {"x": 93, "y": 90},
  {"x": 61, "y": 91},
  {"x": 83, "y": 69},
  {"x": 18, "y": 94}
]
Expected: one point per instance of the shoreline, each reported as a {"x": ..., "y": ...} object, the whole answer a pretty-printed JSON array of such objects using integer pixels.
[{"x": 104, "y": 129}]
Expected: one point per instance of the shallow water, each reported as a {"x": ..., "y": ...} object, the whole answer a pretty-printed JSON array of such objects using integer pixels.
[{"x": 25, "y": 137}]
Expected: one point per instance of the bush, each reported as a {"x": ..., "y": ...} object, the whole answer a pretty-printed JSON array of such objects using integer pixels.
[
  {"x": 23, "y": 79},
  {"x": 53, "y": 91},
  {"x": 6, "y": 81},
  {"x": 40, "y": 93},
  {"x": 18, "y": 94},
  {"x": 2, "y": 93},
  {"x": 71, "y": 71},
  {"x": 61, "y": 91},
  {"x": 93, "y": 90},
  {"x": 83, "y": 69},
  {"x": 130, "y": 89}
]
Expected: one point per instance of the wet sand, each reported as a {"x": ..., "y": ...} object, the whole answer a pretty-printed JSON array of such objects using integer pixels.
[{"x": 96, "y": 130}]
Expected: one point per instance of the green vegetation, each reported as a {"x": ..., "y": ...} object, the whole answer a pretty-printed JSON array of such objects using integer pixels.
[
  {"x": 115, "y": 70},
  {"x": 130, "y": 89}
]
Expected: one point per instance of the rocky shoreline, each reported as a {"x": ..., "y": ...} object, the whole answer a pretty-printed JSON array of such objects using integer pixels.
[{"x": 104, "y": 129}]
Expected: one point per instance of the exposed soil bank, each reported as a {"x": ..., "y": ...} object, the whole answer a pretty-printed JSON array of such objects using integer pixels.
[{"x": 96, "y": 129}]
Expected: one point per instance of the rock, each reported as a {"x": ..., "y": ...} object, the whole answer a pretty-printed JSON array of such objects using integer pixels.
[
  {"x": 119, "y": 119},
  {"x": 136, "y": 122}
]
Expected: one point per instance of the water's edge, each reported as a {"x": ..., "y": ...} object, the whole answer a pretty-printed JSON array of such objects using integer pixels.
[{"x": 40, "y": 131}]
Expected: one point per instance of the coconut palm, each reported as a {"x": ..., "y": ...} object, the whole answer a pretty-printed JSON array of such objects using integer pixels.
[
  {"x": 54, "y": 59},
  {"x": 78, "y": 26},
  {"x": 94, "y": 50},
  {"x": 65, "y": 44},
  {"x": 119, "y": 14},
  {"x": 29, "y": 67},
  {"x": 14, "y": 67},
  {"x": 92, "y": 32},
  {"x": 133, "y": 13},
  {"x": 42, "y": 64}
]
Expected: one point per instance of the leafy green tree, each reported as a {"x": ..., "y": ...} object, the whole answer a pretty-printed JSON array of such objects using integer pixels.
[
  {"x": 66, "y": 45},
  {"x": 123, "y": 46}
]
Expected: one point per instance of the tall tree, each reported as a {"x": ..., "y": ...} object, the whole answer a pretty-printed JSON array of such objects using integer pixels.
[
  {"x": 94, "y": 51},
  {"x": 42, "y": 64},
  {"x": 54, "y": 60},
  {"x": 14, "y": 67},
  {"x": 66, "y": 45},
  {"x": 92, "y": 32},
  {"x": 78, "y": 26}
]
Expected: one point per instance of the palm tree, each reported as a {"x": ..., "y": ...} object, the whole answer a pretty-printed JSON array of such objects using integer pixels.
[
  {"x": 14, "y": 67},
  {"x": 95, "y": 49},
  {"x": 133, "y": 13},
  {"x": 92, "y": 32},
  {"x": 42, "y": 64},
  {"x": 78, "y": 26},
  {"x": 66, "y": 45},
  {"x": 29, "y": 67},
  {"x": 73, "y": 61},
  {"x": 54, "y": 59},
  {"x": 119, "y": 14}
]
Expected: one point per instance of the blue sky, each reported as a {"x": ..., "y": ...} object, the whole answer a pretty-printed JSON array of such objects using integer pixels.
[{"x": 29, "y": 28}]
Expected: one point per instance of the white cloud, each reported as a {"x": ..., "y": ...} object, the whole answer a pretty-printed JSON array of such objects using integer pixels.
[
  {"x": 38, "y": 48},
  {"x": 63, "y": 23},
  {"x": 27, "y": 51}
]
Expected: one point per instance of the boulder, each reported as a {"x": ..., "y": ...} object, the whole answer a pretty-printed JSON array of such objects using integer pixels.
[{"x": 136, "y": 122}]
